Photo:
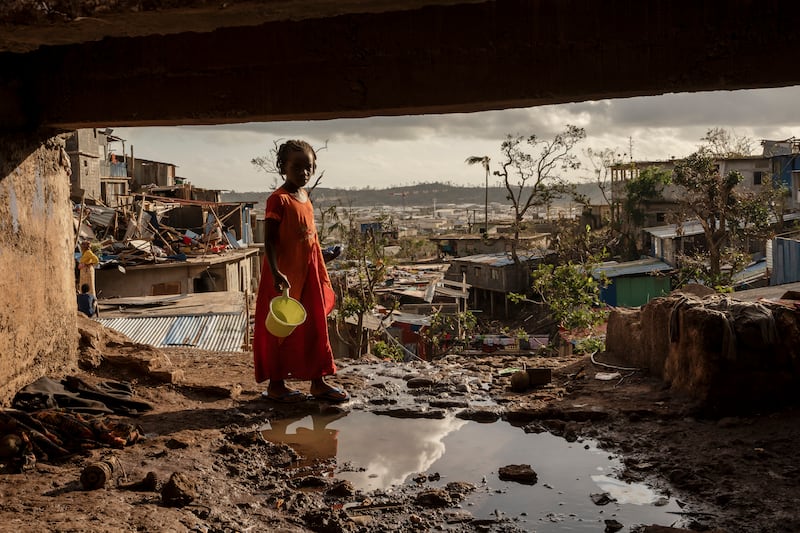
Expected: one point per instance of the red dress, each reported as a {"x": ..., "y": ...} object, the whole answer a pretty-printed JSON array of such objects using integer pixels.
[{"x": 306, "y": 353}]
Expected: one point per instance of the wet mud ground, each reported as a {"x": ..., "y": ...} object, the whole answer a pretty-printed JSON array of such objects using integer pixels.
[{"x": 729, "y": 471}]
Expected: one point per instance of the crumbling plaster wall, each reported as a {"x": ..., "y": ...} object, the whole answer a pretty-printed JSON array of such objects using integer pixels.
[
  {"x": 721, "y": 352},
  {"x": 38, "y": 333}
]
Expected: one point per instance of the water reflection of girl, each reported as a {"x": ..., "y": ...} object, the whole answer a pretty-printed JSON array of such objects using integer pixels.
[{"x": 317, "y": 443}]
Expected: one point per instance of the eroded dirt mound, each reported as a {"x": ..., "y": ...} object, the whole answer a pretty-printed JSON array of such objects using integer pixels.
[{"x": 104, "y": 347}]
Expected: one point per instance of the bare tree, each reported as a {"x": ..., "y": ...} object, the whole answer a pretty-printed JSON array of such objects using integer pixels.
[
  {"x": 531, "y": 172},
  {"x": 722, "y": 143}
]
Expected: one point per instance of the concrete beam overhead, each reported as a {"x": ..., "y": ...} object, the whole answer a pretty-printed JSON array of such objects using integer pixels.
[{"x": 424, "y": 57}]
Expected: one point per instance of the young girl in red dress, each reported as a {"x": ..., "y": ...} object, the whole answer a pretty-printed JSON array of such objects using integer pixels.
[{"x": 294, "y": 260}]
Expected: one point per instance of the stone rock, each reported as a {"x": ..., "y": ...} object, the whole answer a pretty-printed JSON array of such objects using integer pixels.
[
  {"x": 434, "y": 498},
  {"x": 311, "y": 482},
  {"x": 523, "y": 474},
  {"x": 363, "y": 520},
  {"x": 419, "y": 383},
  {"x": 341, "y": 489},
  {"x": 403, "y": 412},
  {"x": 458, "y": 517},
  {"x": 458, "y": 490},
  {"x": 479, "y": 415},
  {"x": 448, "y": 403},
  {"x": 175, "y": 444},
  {"x": 328, "y": 521},
  {"x": 601, "y": 498},
  {"x": 178, "y": 491}
]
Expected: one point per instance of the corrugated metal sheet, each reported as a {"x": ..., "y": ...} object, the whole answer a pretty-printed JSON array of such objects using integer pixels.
[
  {"x": 452, "y": 293},
  {"x": 671, "y": 231},
  {"x": 785, "y": 261},
  {"x": 630, "y": 268},
  {"x": 218, "y": 333},
  {"x": 693, "y": 227},
  {"x": 101, "y": 216},
  {"x": 496, "y": 260},
  {"x": 753, "y": 273}
]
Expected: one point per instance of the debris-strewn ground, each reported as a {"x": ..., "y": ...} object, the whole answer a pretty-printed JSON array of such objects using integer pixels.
[{"x": 204, "y": 466}]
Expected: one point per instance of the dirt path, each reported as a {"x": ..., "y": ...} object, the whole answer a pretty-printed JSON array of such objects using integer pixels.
[{"x": 733, "y": 473}]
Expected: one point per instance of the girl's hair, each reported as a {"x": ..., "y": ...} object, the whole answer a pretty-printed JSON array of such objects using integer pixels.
[{"x": 294, "y": 145}]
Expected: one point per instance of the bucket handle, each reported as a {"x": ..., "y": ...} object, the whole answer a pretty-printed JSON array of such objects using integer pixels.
[{"x": 286, "y": 293}]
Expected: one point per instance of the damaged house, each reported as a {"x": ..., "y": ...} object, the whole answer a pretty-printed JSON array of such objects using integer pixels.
[
  {"x": 161, "y": 242},
  {"x": 493, "y": 276}
]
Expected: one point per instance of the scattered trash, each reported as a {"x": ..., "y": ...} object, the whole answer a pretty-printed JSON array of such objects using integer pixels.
[
  {"x": 607, "y": 376},
  {"x": 540, "y": 376},
  {"x": 10, "y": 445},
  {"x": 148, "y": 484},
  {"x": 96, "y": 475}
]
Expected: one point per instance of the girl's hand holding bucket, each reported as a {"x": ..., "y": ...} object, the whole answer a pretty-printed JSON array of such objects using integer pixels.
[{"x": 285, "y": 314}]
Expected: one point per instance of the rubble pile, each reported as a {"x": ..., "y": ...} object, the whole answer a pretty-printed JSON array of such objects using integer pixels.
[{"x": 140, "y": 233}]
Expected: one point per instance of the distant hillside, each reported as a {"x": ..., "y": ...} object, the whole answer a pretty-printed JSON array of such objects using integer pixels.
[{"x": 413, "y": 195}]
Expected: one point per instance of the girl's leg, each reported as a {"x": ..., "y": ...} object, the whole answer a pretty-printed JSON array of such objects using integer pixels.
[
  {"x": 323, "y": 391},
  {"x": 277, "y": 388}
]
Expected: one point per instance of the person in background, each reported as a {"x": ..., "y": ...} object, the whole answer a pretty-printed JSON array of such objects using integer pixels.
[
  {"x": 294, "y": 260},
  {"x": 86, "y": 266},
  {"x": 87, "y": 303}
]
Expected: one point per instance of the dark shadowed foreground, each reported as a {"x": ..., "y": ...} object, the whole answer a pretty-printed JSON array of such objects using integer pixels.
[{"x": 204, "y": 463}]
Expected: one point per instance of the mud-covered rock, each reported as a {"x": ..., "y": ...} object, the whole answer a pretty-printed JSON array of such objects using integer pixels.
[
  {"x": 434, "y": 498},
  {"x": 458, "y": 490},
  {"x": 479, "y": 415},
  {"x": 328, "y": 521},
  {"x": 412, "y": 412},
  {"x": 523, "y": 474},
  {"x": 179, "y": 490},
  {"x": 341, "y": 489},
  {"x": 420, "y": 383}
]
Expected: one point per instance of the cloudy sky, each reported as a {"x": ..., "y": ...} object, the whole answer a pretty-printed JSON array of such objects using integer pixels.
[{"x": 382, "y": 152}]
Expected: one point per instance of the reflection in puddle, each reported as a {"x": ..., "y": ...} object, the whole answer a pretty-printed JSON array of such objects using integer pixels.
[
  {"x": 626, "y": 492},
  {"x": 379, "y": 452},
  {"x": 384, "y": 451}
]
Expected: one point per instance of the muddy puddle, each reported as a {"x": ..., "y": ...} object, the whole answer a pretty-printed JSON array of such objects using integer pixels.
[{"x": 384, "y": 454}]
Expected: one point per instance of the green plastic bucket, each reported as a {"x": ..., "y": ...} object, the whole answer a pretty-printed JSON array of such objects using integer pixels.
[{"x": 285, "y": 314}]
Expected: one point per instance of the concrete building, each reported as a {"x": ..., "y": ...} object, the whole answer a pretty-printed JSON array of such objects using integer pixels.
[
  {"x": 461, "y": 245},
  {"x": 492, "y": 276},
  {"x": 99, "y": 167},
  {"x": 235, "y": 270}
]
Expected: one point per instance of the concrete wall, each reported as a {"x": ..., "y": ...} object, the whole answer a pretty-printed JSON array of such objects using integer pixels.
[
  {"x": 38, "y": 333},
  {"x": 228, "y": 273}
]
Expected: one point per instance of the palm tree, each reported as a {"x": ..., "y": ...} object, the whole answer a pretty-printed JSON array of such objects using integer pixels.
[{"x": 472, "y": 160}]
